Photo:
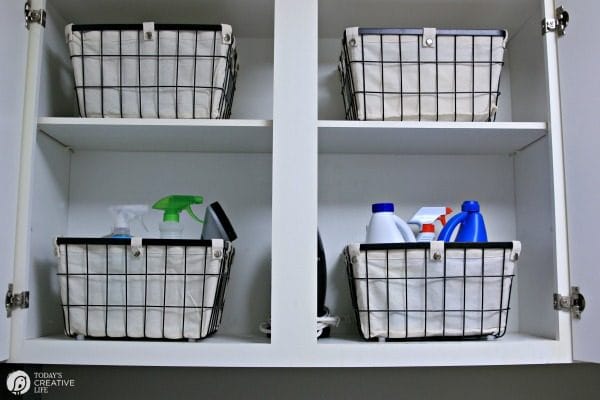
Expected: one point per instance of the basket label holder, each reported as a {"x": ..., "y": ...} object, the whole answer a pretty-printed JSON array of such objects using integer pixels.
[
  {"x": 149, "y": 30},
  {"x": 429, "y": 35}
]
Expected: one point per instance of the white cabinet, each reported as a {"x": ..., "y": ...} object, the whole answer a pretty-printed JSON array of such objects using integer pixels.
[{"x": 286, "y": 163}]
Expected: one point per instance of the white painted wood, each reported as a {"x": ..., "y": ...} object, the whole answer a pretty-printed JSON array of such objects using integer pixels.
[
  {"x": 294, "y": 253},
  {"x": 535, "y": 229},
  {"x": 579, "y": 61},
  {"x": 296, "y": 140},
  {"x": 206, "y": 136},
  {"x": 391, "y": 137},
  {"x": 25, "y": 199},
  {"x": 557, "y": 175},
  {"x": 231, "y": 352},
  {"x": 335, "y": 15},
  {"x": 252, "y": 19},
  {"x": 13, "y": 48}
]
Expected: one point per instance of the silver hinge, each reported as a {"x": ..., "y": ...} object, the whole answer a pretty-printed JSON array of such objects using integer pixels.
[
  {"x": 15, "y": 300},
  {"x": 575, "y": 303},
  {"x": 558, "y": 23},
  {"x": 34, "y": 16}
]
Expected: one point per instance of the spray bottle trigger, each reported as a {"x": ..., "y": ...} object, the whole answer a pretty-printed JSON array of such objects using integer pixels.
[{"x": 188, "y": 209}]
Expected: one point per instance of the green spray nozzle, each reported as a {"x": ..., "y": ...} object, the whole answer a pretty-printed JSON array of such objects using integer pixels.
[{"x": 174, "y": 204}]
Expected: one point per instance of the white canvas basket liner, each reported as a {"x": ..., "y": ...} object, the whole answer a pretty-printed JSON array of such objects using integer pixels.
[
  {"x": 458, "y": 293},
  {"x": 153, "y": 290},
  {"x": 482, "y": 77},
  {"x": 120, "y": 65}
]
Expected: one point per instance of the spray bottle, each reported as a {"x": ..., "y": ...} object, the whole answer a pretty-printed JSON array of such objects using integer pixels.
[
  {"x": 170, "y": 227},
  {"x": 122, "y": 215},
  {"x": 425, "y": 218}
]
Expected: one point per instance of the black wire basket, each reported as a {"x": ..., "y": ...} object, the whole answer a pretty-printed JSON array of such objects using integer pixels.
[
  {"x": 153, "y": 70},
  {"x": 421, "y": 74},
  {"x": 431, "y": 290},
  {"x": 143, "y": 288}
]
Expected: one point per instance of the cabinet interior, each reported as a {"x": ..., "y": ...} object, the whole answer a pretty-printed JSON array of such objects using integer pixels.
[
  {"x": 513, "y": 187},
  {"x": 78, "y": 183},
  {"x": 72, "y": 188}
]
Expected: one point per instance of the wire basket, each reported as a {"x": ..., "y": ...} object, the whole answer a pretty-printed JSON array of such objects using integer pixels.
[
  {"x": 421, "y": 74},
  {"x": 153, "y": 71},
  {"x": 414, "y": 291},
  {"x": 143, "y": 288}
]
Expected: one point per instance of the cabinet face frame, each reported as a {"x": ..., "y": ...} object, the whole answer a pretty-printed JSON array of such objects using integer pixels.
[{"x": 295, "y": 204}]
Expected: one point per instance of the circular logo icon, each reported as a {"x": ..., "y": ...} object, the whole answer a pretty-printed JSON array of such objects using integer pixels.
[{"x": 18, "y": 382}]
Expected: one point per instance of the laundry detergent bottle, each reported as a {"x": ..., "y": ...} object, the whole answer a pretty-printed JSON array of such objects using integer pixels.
[
  {"x": 386, "y": 227},
  {"x": 170, "y": 227},
  {"x": 472, "y": 227}
]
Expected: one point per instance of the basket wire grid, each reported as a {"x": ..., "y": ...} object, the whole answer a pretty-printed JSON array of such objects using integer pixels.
[
  {"x": 356, "y": 95},
  {"x": 421, "y": 314},
  {"x": 221, "y": 92},
  {"x": 215, "y": 309}
]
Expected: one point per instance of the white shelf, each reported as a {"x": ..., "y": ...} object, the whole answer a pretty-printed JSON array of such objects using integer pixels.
[
  {"x": 207, "y": 136},
  {"x": 233, "y": 352},
  {"x": 400, "y": 137}
]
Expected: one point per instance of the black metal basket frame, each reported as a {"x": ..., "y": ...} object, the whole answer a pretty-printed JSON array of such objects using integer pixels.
[
  {"x": 228, "y": 88},
  {"x": 218, "y": 304},
  {"x": 503, "y": 311},
  {"x": 349, "y": 92}
]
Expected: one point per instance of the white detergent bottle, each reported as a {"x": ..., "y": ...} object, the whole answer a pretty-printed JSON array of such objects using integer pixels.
[{"x": 386, "y": 227}]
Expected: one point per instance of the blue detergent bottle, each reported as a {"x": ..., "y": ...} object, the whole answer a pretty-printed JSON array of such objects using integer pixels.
[{"x": 472, "y": 227}]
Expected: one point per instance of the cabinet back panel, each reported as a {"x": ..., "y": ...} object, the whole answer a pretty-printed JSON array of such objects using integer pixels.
[
  {"x": 348, "y": 184},
  {"x": 253, "y": 97},
  {"x": 241, "y": 183},
  {"x": 331, "y": 105}
]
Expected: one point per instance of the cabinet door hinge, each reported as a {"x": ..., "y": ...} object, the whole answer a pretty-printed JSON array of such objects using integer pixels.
[
  {"x": 15, "y": 300},
  {"x": 575, "y": 303},
  {"x": 34, "y": 16},
  {"x": 558, "y": 23}
]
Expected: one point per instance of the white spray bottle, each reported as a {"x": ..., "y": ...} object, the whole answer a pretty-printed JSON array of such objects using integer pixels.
[
  {"x": 123, "y": 214},
  {"x": 425, "y": 218}
]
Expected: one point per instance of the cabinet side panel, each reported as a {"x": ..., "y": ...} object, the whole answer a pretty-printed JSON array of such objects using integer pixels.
[
  {"x": 254, "y": 83},
  {"x": 13, "y": 43},
  {"x": 579, "y": 63},
  {"x": 56, "y": 76},
  {"x": 50, "y": 203},
  {"x": 535, "y": 230},
  {"x": 528, "y": 86}
]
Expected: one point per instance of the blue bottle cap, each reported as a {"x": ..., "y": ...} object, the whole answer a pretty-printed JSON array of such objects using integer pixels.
[
  {"x": 382, "y": 207},
  {"x": 470, "y": 206}
]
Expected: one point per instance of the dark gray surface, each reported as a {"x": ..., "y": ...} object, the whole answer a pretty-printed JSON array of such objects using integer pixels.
[{"x": 521, "y": 382}]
